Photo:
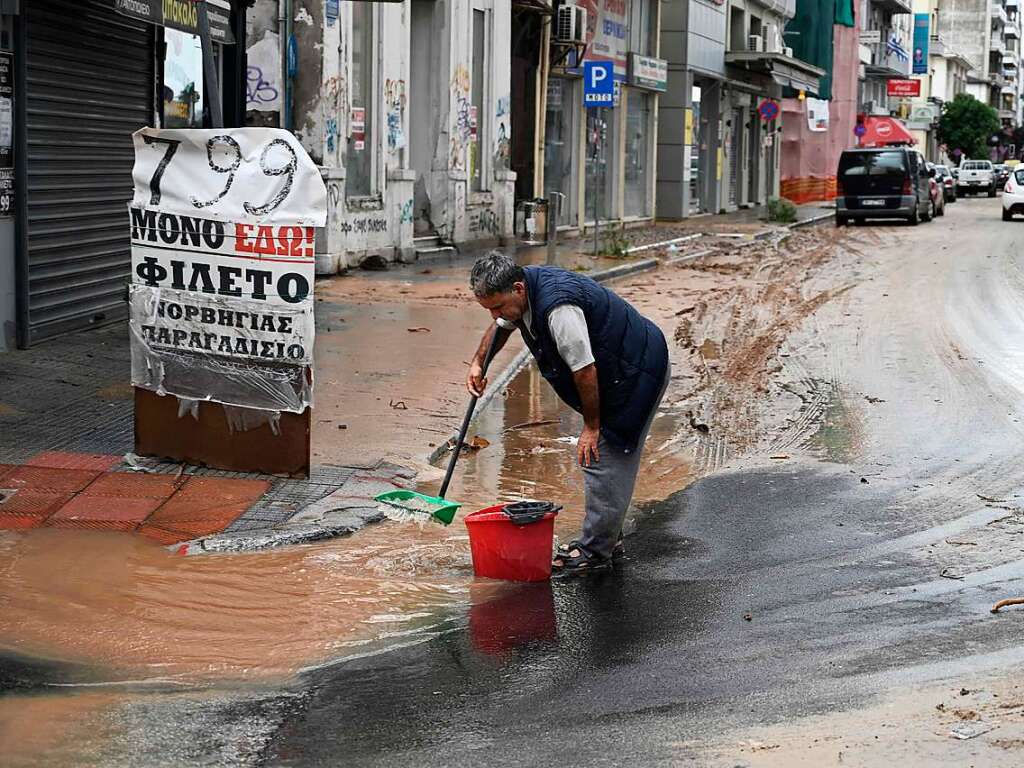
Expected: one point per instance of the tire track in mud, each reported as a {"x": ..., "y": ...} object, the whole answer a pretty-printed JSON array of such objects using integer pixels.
[{"x": 753, "y": 397}]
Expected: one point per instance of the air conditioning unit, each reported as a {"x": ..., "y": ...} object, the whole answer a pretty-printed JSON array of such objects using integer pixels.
[
  {"x": 772, "y": 39},
  {"x": 571, "y": 24},
  {"x": 787, "y": 52},
  {"x": 755, "y": 43}
]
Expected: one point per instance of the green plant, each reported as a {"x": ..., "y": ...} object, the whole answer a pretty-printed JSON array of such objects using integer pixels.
[
  {"x": 967, "y": 124},
  {"x": 781, "y": 210},
  {"x": 614, "y": 243}
]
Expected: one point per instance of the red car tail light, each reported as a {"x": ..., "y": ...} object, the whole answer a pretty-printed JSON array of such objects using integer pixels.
[{"x": 906, "y": 187}]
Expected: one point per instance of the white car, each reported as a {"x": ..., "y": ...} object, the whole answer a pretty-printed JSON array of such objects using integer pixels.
[{"x": 1013, "y": 194}]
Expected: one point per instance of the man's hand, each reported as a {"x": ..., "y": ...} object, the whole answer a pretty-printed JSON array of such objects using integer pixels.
[
  {"x": 475, "y": 381},
  {"x": 586, "y": 449}
]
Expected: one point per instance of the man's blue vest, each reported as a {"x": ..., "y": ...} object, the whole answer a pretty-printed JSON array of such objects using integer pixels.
[{"x": 629, "y": 350}]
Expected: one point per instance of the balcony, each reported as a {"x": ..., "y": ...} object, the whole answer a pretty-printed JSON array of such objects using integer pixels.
[
  {"x": 893, "y": 6},
  {"x": 889, "y": 59},
  {"x": 998, "y": 13},
  {"x": 1012, "y": 30},
  {"x": 997, "y": 44},
  {"x": 784, "y": 70}
]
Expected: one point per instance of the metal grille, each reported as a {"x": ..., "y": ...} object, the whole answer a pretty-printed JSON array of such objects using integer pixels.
[{"x": 90, "y": 85}]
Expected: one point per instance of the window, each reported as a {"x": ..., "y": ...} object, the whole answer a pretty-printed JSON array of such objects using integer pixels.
[
  {"x": 183, "y": 80},
  {"x": 641, "y": 26},
  {"x": 359, "y": 157},
  {"x": 602, "y": 162},
  {"x": 560, "y": 144},
  {"x": 872, "y": 164},
  {"x": 639, "y": 106},
  {"x": 477, "y": 122}
]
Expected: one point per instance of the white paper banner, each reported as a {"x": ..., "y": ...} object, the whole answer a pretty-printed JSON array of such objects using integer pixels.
[
  {"x": 223, "y": 243},
  {"x": 258, "y": 175}
]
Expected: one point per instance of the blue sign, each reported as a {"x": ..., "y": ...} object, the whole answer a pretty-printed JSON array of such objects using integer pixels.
[
  {"x": 859, "y": 130},
  {"x": 768, "y": 110},
  {"x": 921, "y": 39},
  {"x": 598, "y": 84},
  {"x": 331, "y": 12}
]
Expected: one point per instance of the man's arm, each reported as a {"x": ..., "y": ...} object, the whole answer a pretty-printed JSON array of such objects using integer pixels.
[
  {"x": 475, "y": 381},
  {"x": 586, "y": 385}
]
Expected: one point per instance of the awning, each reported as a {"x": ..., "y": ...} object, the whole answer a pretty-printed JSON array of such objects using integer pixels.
[
  {"x": 885, "y": 131},
  {"x": 784, "y": 70}
]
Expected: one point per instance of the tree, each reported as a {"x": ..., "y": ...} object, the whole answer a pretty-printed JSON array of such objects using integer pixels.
[{"x": 967, "y": 124}]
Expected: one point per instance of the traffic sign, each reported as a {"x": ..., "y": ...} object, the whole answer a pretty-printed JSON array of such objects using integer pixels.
[
  {"x": 768, "y": 110},
  {"x": 859, "y": 130},
  {"x": 598, "y": 84}
]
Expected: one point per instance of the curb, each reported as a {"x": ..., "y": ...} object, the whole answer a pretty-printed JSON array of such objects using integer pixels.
[
  {"x": 813, "y": 220},
  {"x": 674, "y": 241},
  {"x": 521, "y": 360}
]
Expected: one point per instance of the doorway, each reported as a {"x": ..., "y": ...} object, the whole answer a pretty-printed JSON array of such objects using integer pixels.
[{"x": 424, "y": 107}]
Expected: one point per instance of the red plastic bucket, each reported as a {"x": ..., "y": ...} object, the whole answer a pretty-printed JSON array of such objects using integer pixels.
[{"x": 504, "y": 550}]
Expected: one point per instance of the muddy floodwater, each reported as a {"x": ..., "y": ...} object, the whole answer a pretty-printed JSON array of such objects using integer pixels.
[{"x": 140, "y": 613}]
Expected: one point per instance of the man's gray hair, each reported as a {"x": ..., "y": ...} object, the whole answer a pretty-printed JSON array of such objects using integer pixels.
[{"x": 495, "y": 273}]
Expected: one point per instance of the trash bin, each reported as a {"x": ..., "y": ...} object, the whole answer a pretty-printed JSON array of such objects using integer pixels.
[
  {"x": 512, "y": 547},
  {"x": 531, "y": 222}
]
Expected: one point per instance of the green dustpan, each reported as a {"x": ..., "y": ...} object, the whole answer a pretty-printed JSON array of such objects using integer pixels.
[
  {"x": 437, "y": 507},
  {"x": 419, "y": 503}
]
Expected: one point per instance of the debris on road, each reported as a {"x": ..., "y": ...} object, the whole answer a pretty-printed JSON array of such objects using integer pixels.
[
  {"x": 964, "y": 731},
  {"x": 946, "y": 574},
  {"x": 530, "y": 424},
  {"x": 699, "y": 426},
  {"x": 419, "y": 329},
  {"x": 990, "y": 500},
  {"x": 1006, "y": 603},
  {"x": 398, "y": 405}
]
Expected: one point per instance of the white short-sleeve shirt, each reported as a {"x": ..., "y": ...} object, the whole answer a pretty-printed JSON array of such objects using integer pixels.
[{"x": 568, "y": 328}]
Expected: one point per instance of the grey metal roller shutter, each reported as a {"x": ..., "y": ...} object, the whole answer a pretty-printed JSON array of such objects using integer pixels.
[{"x": 90, "y": 84}]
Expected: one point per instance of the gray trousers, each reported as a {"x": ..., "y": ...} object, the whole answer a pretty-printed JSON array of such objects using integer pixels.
[{"x": 608, "y": 487}]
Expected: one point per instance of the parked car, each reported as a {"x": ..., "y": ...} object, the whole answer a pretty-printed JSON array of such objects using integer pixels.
[
  {"x": 976, "y": 176},
  {"x": 884, "y": 183},
  {"x": 1002, "y": 174},
  {"x": 938, "y": 192},
  {"x": 1013, "y": 194},
  {"x": 944, "y": 177}
]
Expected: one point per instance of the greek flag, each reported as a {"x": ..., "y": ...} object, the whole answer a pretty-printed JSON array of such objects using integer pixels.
[{"x": 895, "y": 48}]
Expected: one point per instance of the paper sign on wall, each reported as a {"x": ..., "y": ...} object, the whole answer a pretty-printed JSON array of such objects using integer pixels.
[{"x": 222, "y": 228}]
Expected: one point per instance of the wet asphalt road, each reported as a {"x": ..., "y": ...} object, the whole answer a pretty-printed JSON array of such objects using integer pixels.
[{"x": 774, "y": 588}]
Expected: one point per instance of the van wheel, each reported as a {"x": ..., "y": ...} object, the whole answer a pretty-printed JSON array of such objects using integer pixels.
[
  {"x": 912, "y": 219},
  {"x": 841, "y": 221}
]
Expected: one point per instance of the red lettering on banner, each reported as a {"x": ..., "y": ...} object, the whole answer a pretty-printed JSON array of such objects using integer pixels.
[
  {"x": 242, "y": 238},
  {"x": 265, "y": 241}
]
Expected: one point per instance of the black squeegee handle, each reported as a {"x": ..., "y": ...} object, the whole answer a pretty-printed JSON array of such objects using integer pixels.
[{"x": 491, "y": 351}]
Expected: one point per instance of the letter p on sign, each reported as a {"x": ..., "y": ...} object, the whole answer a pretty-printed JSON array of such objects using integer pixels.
[{"x": 598, "y": 83}]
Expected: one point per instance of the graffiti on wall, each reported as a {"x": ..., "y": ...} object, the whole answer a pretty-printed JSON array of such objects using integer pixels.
[
  {"x": 263, "y": 75},
  {"x": 484, "y": 221},
  {"x": 394, "y": 101},
  {"x": 362, "y": 226},
  {"x": 331, "y": 135},
  {"x": 405, "y": 216},
  {"x": 503, "y": 134},
  {"x": 462, "y": 108}
]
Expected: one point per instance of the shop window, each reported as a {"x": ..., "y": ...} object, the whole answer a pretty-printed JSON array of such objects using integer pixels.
[
  {"x": 561, "y": 134},
  {"x": 183, "y": 90},
  {"x": 602, "y": 162},
  {"x": 642, "y": 26},
  {"x": 637, "y": 171},
  {"x": 477, "y": 122},
  {"x": 359, "y": 155}
]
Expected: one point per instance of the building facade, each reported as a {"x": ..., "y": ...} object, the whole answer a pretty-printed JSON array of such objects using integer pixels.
[
  {"x": 77, "y": 78},
  {"x": 728, "y": 67},
  {"x": 885, "y": 51}
]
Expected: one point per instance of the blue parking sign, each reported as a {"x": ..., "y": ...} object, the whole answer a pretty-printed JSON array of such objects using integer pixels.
[{"x": 598, "y": 84}]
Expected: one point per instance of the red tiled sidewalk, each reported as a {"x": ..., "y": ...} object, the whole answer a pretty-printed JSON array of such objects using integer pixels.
[{"x": 66, "y": 490}]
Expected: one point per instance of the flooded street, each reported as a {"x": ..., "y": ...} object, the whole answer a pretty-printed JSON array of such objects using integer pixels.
[{"x": 112, "y": 628}]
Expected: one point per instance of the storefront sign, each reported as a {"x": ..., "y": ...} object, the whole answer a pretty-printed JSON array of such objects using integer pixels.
[
  {"x": 222, "y": 226},
  {"x": 182, "y": 15},
  {"x": 357, "y": 128},
  {"x": 688, "y": 127},
  {"x": 903, "y": 87},
  {"x": 921, "y": 40},
  {"x": 607, "y": 34},
  {"x": 871, "y": 37},
  {"x": 7, "y": 198},
  {"x": 646, "y": 72}
]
